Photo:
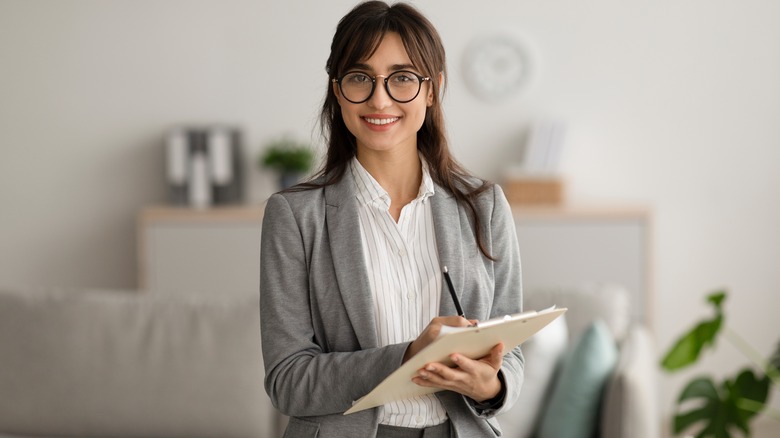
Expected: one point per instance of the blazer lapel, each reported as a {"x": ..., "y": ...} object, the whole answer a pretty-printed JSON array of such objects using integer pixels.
[
  {"x": 343, "y": 224},
  {"x": 446, "y": 224}
]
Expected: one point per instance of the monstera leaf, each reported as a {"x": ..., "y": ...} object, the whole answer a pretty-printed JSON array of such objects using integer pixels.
[
  {"x": 774, "y": 366},
  {"x": 713, "y": 410},
  {"x": 688, "y": 348},
  {"x": 718, "y": 411}
]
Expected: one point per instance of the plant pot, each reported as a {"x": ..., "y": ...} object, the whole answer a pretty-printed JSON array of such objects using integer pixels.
[{"x": 289, "y": 179}]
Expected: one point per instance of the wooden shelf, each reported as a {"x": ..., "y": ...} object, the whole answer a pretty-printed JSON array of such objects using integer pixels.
[{"x": 579, "y": 211}]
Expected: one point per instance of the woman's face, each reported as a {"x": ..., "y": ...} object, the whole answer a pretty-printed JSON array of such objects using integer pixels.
[{"x": 381, "y": 124}]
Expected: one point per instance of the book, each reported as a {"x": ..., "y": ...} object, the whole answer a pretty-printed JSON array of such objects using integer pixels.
[{"x": 473, "y": 342}]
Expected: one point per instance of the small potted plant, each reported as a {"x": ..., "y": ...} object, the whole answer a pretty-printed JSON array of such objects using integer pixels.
[{"x": 291, "y": 158}]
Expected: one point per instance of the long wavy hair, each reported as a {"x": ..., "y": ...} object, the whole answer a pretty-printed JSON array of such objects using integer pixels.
[{"x": 358, "y": 35}]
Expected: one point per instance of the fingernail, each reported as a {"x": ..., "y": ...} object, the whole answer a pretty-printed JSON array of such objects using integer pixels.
[
  {"x": 429, "y": 368},
  {"x": 423, "y": 374},
  {"x": 455, "y": 358}
]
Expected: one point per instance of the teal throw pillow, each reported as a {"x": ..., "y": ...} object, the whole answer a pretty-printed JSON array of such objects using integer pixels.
[{"x": 574, "y": 404}]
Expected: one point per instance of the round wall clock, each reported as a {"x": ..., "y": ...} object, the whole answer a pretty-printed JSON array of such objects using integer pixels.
[{"x": 496, "y": 67}]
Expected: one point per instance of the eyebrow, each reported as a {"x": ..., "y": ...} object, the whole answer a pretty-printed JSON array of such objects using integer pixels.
[{"x": 394, "y": 67}]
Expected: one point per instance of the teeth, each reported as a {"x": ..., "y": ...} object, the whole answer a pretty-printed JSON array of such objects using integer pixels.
[{"x": 381, "y": 121}]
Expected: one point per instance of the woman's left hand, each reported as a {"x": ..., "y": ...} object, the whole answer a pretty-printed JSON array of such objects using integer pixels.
[{"x": 474, "y": 378}]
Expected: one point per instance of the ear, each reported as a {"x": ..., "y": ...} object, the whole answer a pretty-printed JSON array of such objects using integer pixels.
[
  {"x": 440, "y": 78},
  {"x": 337, "y": 92}
]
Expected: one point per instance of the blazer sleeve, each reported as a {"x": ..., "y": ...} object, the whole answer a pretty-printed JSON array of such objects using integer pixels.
[
  {"x": 302, "y": 378},
  {"x": 508, "y": 293}
]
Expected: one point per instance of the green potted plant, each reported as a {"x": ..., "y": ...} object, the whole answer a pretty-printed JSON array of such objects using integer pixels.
[
  {"x": 718, "y": 409},
  {"x": 291, "y": 158}
]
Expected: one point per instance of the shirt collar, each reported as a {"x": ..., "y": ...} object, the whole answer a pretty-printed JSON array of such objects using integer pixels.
[
  {"x": 370, "y": 192},
  {"x": 426, "y": 186}
]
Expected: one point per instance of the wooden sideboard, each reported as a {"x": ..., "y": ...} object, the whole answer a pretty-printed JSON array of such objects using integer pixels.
[
  {"x": 183, "y": 250},
  {"x": 192, "y": 251},
  {"x": 573, "y": 245}
]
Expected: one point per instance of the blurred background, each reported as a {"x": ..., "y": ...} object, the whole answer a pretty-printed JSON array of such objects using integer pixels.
[{"x": 673, "y": 105}]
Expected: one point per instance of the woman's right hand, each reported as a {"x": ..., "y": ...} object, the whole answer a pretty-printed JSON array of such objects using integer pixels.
[{"x": 432, "y": 331}]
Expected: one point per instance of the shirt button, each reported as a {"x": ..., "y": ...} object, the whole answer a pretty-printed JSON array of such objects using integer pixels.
[
  {"x": 418, "y": 419},
  {"x": 401, "y": 252},
  {"x": 410, "y": 295}
]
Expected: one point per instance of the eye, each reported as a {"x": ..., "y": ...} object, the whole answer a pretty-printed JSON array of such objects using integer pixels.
[
  {"x": 403, "y": 78},
  {"x": 356, "y": 79}
]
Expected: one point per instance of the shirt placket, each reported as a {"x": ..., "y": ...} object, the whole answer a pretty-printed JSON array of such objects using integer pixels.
[{"x": 410, "y": 295}]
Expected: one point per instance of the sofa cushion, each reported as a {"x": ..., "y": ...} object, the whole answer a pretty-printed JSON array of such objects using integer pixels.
[
  {"x": 111, "y": 363},
  {"x": 586, "y": 302},
  {"x": 630, "y": 397},
  {"x": 574, "y": 404},
  {"x": 542, "y": 352}
]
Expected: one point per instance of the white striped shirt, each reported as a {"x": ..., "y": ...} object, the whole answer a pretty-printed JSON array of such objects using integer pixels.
[{"x": 405, "y": 278}]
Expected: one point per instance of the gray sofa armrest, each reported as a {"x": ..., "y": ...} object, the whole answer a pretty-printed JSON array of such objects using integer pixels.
[{"x": 630, "y": 404}]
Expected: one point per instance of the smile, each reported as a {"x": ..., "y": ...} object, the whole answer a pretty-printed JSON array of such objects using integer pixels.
[{"x": 381, "y": 121}]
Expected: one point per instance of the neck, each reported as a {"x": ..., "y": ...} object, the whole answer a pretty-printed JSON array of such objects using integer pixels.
[{"x": 399, "y": 173}]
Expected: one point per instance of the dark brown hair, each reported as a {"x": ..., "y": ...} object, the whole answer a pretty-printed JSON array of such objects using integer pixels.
[{"x": 358, "y": 35}]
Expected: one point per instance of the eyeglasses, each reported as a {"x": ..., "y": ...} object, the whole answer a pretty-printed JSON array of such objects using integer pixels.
[{"x": 402, "y": 86}]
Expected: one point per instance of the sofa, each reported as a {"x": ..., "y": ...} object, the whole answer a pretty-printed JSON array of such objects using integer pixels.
[
  {"x": 106, "y": 363},
  {"x": 102, "y": 363},
  {"x": 591, "y": 372}
]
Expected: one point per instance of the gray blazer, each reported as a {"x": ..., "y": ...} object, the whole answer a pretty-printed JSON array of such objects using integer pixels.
[{"x": 319, "y": 336}]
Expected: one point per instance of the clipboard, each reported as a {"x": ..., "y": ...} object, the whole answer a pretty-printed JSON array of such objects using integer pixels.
[{"x": 472, "y": 342}]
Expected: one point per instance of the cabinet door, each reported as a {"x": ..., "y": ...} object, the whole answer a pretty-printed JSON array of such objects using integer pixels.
[
  {"x": 200, "y": 254},
  {"x": 572, "y": 250}
]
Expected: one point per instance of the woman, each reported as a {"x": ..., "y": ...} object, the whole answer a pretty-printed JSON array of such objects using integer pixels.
[{"x": 351, "y": 271}]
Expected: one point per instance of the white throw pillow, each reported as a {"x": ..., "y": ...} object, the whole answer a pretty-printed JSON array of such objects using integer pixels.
[
  {"x": 586, "y": 302},
  {"x": 542, "y": 353}
]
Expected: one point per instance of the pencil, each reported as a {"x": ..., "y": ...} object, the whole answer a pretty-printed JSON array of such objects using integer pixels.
[{"x": 452, "y": 292}]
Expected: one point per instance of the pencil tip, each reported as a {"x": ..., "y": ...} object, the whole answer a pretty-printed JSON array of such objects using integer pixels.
[{"x": 445, "y": 269}]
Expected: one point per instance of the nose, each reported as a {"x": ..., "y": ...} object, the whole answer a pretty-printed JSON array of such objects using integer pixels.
[{"x": 380, "y": 99}]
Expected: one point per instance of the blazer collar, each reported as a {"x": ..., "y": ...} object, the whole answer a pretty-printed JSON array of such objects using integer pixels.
[
  {"x": 449, "y": 242},
  {"x": 343, "y": 224}
]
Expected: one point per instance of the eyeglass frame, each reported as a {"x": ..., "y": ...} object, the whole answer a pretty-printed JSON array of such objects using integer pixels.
[{"x": 420, "y": 78}]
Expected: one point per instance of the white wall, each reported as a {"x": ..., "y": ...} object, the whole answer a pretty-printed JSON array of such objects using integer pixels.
[{"x": 674, "y": 104}]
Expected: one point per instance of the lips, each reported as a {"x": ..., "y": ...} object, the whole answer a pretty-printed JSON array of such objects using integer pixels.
[{"x": 379, "y": 121}]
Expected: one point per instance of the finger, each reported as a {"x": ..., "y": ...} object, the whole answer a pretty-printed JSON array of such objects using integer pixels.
[
  {"x": 444, "y": 378},
  {"x": 433, "y": 329},
  {"x": 496, "y": 356},
  {"x": 419, "y": 381},
  {"x": 452, "y": 321},
  {"x": 464, "y": 363},
  {"x": 440, "y": 372},
  {"x": 494, "y": 359},
  {"x": 433, "y": 381},
  {"x": 426, "y": 378}
]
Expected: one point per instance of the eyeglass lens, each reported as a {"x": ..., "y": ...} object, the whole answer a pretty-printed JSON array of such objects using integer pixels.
[{"x": 401, "y": 86}]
